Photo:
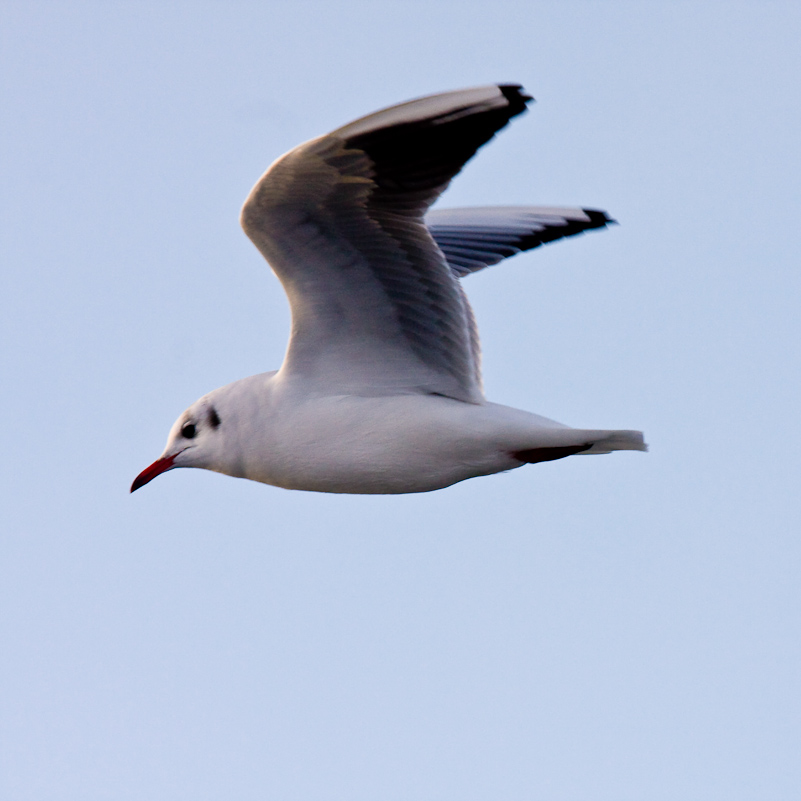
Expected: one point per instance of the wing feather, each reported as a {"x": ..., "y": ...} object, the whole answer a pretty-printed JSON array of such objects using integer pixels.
[
  {"x": 375, "y": 307},
  {"x": 475, "y": 238}
]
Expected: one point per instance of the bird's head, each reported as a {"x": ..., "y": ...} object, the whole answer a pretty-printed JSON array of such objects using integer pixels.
[
  {"x": 219, "y": 432},
  {"x": 195, "y": 440}
]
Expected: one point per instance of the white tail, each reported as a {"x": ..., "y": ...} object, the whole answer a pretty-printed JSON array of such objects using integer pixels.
[{"x": 608, "y": 441}]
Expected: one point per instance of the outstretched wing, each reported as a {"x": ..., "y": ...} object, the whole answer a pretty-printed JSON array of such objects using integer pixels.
[
  {"x": 375, "y": 307},
  {"x": 475, "y": 238}
]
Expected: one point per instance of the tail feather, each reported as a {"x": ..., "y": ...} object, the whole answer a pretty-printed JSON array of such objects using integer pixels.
[
  {"x": 616, "y": 441},
  {"x": 562, "y": 442}
]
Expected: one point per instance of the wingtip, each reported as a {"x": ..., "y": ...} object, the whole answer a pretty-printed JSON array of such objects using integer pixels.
[
  {"x": 517, "y": 97},
  {"x": 599, "y": 218}
]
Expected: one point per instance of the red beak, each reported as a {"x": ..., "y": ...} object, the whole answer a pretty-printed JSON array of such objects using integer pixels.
[{"x": 156, "y": 469}]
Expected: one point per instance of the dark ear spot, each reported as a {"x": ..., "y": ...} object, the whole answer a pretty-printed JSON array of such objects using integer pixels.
[{"x": 214, "y": 418}]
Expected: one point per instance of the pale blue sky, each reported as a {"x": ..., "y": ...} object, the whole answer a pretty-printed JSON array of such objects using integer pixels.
[{"x": 618, "y": 627}]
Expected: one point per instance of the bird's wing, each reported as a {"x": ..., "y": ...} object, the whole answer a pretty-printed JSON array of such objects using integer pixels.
[
  {"x": 475, "y": 238},
  {"x": 375, "y": 307}
]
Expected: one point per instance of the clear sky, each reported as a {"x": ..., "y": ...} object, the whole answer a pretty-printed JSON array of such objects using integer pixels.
[{"x": 617, "y": 627}]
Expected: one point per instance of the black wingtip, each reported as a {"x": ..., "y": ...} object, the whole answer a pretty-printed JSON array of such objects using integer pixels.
[
  {"x": 421, "y": 155},
  {"x": 598, "y": 218},
  {"x": 517, "y": 97}
]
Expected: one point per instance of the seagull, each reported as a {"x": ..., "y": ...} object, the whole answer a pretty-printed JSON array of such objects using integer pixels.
[{"x": 380, "y": 390}]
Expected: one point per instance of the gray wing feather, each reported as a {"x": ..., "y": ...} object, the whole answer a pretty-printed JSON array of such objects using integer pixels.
[
  {"x": 475, "y": 238},
  {"x": 375, "y": 307}
]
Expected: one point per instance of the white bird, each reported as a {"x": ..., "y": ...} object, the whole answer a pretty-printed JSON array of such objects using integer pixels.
[{"x": 380, "y": 390}]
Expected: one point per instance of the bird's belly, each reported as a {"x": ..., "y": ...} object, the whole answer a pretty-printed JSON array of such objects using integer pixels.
[
  {"x": 376, "y": 477},
  {"x": 382, "y": 446}
]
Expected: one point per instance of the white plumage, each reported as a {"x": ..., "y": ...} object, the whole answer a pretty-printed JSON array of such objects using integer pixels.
[{"x": 380, "y": 390}]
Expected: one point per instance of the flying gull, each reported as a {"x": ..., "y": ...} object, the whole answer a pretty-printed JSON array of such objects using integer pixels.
[{"x": 380, "y": 390}]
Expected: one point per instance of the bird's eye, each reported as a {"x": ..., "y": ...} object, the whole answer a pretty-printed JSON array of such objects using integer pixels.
[{"x": 188, "y": 430}]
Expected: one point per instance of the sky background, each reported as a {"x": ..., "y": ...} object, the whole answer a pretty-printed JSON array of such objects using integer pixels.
[{"x": 622, "y": 627}]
